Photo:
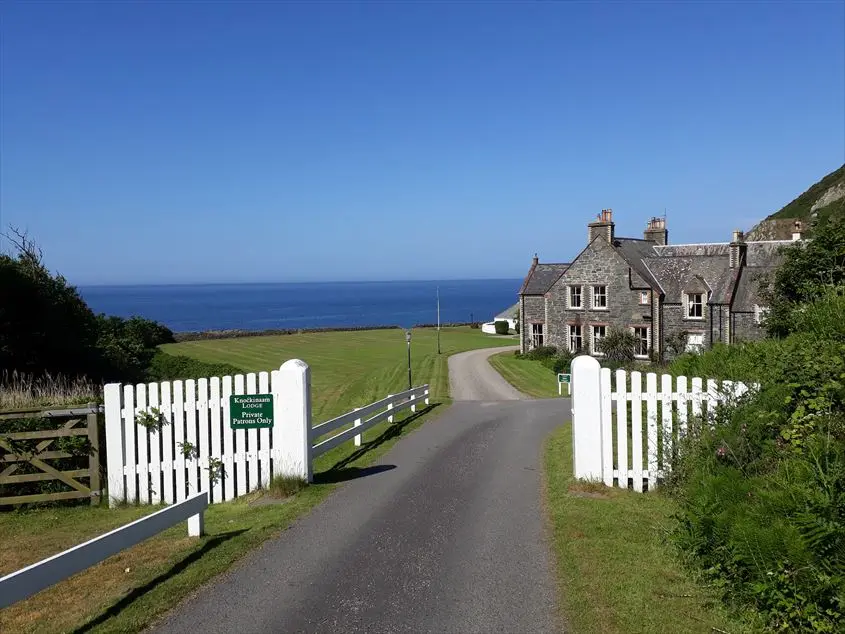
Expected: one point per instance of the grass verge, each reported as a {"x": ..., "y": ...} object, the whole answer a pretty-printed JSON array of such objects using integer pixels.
[
  {"x": 616, "y": 572},
  {"x": 526, "y": 375}
]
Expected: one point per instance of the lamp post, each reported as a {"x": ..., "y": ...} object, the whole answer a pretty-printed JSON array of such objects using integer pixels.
[{"x": 408, "y": 339}]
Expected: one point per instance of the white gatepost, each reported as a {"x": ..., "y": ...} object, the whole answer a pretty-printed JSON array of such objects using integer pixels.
[
  {"x": 586, "y": 419},
  {"x": 292, "y": 427}
]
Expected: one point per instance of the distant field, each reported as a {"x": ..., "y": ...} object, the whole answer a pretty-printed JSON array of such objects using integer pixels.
[
  {"x": 352, "y": 368},
  {"x": 528, "y": 376}
]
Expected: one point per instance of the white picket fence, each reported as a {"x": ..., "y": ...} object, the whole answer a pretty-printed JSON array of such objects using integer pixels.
[
  {"x": 151, "y": 466},
  {"x": 625, "y": 433}
]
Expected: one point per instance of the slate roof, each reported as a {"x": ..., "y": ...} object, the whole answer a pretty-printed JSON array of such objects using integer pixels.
[
  {"x": 696, "y": 272},
  {"x": 508, "y": 312},
  {"x": 635, "y": 252},
  {"x": 748, "y": 292},
  {"x": 541, "y": 278}
]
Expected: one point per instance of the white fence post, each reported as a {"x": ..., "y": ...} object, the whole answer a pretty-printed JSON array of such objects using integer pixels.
[
  {"x": 586, "y": 418},
  {"x": 292, "y": 437},
  {"x": 390, "y": 406},
  {"x": 357, "y": 423},
  {"x": 114, "y": 443}
]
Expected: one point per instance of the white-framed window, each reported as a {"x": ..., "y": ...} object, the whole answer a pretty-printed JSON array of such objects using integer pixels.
[
  {"x": 644, "y": 298},
  {"x": 598, "y": 333},
  {"x": 760, "y": 313},
  {"x": 576, "y": 340},
  {"x": 641, "y": 349},
  {"x": 575, "y": 299},
  {"x": 537, "y": 338},
  {"x": 695, "y": 305},
  {"x": 695, "y": 341},
  {"x": 600, "y": 297}
]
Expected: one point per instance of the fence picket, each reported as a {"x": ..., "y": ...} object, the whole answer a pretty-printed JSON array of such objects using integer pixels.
[
  {"x": 252, "y": 439},
  {"x": 637, "y": 430},
  {"x": 683, "y": 399},
  {"x": 190, "y": 407},
  {"x": 622, "y": 428},
  {"x": 606, "y": 427},
  {"x": 142, "y": 443},
  {"x": 667, "y": 423},
  {"x": 155, "y": 444},
  {"x": 179, "y": 439},
  {"x": 202, "y": 440},
  {"x": 240, "y": 446},
  {"x": 264, "y": 434},
  {"x": 167, "y": 443},
  {"x": 697, "y": 397},
  {"x": 215, "y": 408},
  {"x": 115, "y": 438},
  {"x": 712, "y": 399},
  {"x": 651, "y": 427},
  {"x": 228, "y": 442}
]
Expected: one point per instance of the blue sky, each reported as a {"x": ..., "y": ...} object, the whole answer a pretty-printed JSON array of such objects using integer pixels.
[{"x": 213, "y": 142}]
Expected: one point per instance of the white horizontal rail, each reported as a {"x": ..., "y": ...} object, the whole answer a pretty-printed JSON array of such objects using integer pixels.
[
  {"x": 394, "y": 403},
  {"x": 350, "y": 417},
  {"x": 34, "y": 578}
]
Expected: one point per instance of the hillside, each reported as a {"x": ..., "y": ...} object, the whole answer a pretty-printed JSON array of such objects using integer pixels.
[{"x": 821, "y": 201}]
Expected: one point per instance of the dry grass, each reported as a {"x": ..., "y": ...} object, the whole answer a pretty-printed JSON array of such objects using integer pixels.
[{"x": 20, "y": 391}]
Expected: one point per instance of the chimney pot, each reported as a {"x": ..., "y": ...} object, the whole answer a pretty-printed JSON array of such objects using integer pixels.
[{"x": 536, "y": 260}]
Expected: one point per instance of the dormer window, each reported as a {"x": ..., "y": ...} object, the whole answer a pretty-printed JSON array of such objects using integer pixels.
[{"x": 695, "y": 305}]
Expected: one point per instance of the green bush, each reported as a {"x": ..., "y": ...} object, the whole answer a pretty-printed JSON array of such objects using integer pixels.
[
  {"x": 169, "y": 367},
  {"x": 541, "y": 352},
  {"x": 502, "y": 327},
  {"x": 618, "y": 345},
  {"x": 762, "y": 491}
]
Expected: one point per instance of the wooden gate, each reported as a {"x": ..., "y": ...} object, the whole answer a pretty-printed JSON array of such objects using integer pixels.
[{"x": 30, "y": 450}]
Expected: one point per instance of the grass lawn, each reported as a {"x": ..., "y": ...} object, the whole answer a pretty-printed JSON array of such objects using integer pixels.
[
  {"x": 616, "y": 571},
  {"x": 128, "y": 591},
  {"x": 349, "y": 369},
  {"x": 528, "y": 376}
]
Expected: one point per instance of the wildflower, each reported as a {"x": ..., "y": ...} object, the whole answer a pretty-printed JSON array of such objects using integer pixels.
[{"x": 722, "y": 451}]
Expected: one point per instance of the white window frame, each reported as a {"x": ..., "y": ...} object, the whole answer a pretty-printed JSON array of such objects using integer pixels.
[
  {"x": 647, "y": 340},
  {"x": 688, "y": 304},
  {"x": 593, "y": 340},
  {"x": 645, "y": 298},
  {"x": 538, "y": 336},
  {"x": 593, "y": 288},
  {"x": 694, "y": 347},
  {"x": 760, "y": 313},
  {"x": 570, "y": 333},
  {"x": 569, "y": 294}
]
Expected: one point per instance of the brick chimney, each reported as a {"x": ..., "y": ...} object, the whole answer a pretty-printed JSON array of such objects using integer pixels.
[
  {"x": 603, "y": 226},
  {"x": 656, "y": 231},
  {"x": 796, "y": 230},
  {"x": 737, "y": 249}
]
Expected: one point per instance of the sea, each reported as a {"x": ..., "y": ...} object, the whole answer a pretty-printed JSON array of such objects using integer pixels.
[{"x": 202, "y": 307}]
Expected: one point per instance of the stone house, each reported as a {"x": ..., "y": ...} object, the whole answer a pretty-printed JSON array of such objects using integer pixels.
[{"x": 699, "y": 294}]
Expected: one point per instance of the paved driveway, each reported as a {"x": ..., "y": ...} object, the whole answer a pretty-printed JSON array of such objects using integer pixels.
[{"x": 447, "y": 537}]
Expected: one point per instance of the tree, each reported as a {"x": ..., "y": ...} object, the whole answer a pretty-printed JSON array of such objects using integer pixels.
[
  {"x": 44, "y": 324},
  {"x": 808, "y": 271}
]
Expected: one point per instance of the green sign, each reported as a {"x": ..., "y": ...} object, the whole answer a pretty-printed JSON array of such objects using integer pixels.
[
  {"x": 251, "y": 411},
  {"x": 564, "y": 378}
]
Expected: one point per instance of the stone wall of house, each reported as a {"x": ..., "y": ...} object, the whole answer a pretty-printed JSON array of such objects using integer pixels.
[
  {"x": 598, "y": 265},
  {"x": 745, "y": 328},
  {"x": 675, "y": 321},
  {"x": 534, "y": 311}
]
